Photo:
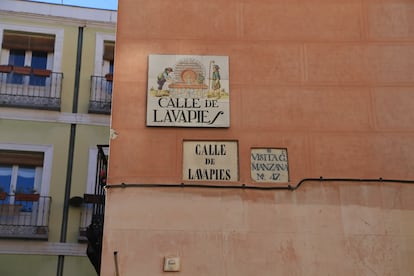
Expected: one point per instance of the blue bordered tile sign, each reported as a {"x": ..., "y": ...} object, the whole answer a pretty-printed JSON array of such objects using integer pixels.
[
  {"x": 188, "y": 91},
  {"x": 269, "y": 165}
]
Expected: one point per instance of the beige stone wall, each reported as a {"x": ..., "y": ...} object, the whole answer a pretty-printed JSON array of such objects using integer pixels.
[{"x": 330, "y": 80}]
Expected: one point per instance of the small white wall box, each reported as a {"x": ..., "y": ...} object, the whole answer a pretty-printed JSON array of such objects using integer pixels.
[{"x": 171, "y": 264}]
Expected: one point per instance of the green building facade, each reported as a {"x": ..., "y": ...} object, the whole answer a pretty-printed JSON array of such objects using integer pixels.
[{"x": 56, "y": 66}]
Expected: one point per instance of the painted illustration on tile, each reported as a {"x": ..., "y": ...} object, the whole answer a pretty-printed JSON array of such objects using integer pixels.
[{"x": 188, "y": 91}]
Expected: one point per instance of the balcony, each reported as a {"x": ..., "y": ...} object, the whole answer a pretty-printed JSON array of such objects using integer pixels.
[
  {"x": 93, "y": 212},
  {"x": 92, "y": 207},
  {"x": 100, "y": 95},
  {"x": 26, "y": 87},
  {"x": 24, "y": 216}
]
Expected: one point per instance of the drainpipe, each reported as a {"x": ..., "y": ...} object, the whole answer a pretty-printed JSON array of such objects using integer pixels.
[{"x": 64, "y": 229}]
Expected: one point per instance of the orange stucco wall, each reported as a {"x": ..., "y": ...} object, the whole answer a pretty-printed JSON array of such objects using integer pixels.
[{"x": 331, "y": 81}]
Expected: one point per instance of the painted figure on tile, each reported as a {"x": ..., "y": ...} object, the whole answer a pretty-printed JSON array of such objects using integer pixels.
[
  {"x": 163, "y": 77},
  {"x": 216, "y": 80},
  {"x": 200, "y": 79}
]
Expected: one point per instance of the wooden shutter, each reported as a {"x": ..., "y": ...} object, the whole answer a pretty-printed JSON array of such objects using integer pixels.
[
  {"x": 24, "y": 158},
  {"x": 109, "y": 50},
  {"x": 28, "y": 41}
]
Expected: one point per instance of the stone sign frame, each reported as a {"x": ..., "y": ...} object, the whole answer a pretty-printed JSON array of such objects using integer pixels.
[{"x": 210, "y": 160}]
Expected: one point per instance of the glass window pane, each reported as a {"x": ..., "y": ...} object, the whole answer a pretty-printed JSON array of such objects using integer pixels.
[
  {"x": 25, "y": 184},
  {"x": 25, "y": 180},
  {"x": 5, "y": 178},
  {"x": 16, "y": 58},
  {"x": 109, "y": 83},
  {"x": 39, "y": 61},
  {"x": 111, "y": 66}
]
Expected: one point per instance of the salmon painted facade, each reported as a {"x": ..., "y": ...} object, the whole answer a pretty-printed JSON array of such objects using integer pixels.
[{"x": 294, "y": 156}]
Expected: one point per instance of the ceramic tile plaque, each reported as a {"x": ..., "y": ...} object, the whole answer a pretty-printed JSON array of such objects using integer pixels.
[
  {"x": 210, "y": 161},
  {"x": 188, "y": 91},
  {"x": 269, "y": 165}
]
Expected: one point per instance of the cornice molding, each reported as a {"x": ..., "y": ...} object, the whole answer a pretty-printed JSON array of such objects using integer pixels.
[
  {"x": 54, "y": 117},
  {"x": 56, "y": 20},
  {"x": 42, "y": 248},
  {"x": 54, "y": 13}
]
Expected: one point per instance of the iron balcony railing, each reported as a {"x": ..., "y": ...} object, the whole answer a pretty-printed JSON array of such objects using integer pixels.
[
  {"x": 24, "y": 216},
  {"x": 36, "y": 89},
  {"x": 93, "y": 205},
  {"x": 94, "y": 211},
  {"x": 101, "y": 95}
]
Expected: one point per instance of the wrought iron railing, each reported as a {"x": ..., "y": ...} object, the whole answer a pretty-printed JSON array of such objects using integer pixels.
[
  {"x": 94, "y": 209},
  {"x": 34, "y": 89},
  {"x": 91, "y": 203},
  {"x": 24, "y": 216},
  {"x": 94, "y": 204},
  {"x": 100, "y": 95}
]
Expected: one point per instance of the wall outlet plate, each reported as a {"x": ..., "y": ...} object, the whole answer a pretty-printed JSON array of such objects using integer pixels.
[{"x": 172, "y": 264}]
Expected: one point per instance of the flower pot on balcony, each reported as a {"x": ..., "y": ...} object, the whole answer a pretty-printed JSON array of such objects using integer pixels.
[
  {"x": 26, "y": 70},
  {"x": 42, "y": 72},
  {"x": 3, "y": 195},
  {"x": 109, "y": 77},
  {"x": 6, "y": 68},
  {"x": 26, "y": 197}
]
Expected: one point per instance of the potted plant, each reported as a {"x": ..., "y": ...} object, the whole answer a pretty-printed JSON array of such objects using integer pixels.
[
  {"x": 109, "y": 77},
  {"x": 3, "y": 194},
  {"x": 24, "y": 70},
  {"x": 42, "y": 72},
  {"x": 6, "y": 68},
  {"x": 26, "y": 196}
]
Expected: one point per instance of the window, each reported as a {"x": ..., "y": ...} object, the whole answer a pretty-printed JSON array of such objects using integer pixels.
[
  {"x": 101, "y": 81},
  {"x": 39, "y": 61},
  {"x": 25, "y": 172},
  {"x": 20, "y": 173},
  {"x": 33, "y": 50},
  {"x": 104, "y": 54},
  {"x": 16, "y": 58},
  {"x": 92, "y": 165},
  {"x": 33, "y": 38},
  {"x": 108, "y": 63},
  {"x": 108, "y": 56}
]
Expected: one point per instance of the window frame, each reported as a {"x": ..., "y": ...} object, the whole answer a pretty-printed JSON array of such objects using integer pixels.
[
  {"x": 47, "y": 151},
  {"x": 93, "y": 161},
  {"x": 28, "y": 59},
  {"x": 55, "y": 63},
  {"x": 101, "y": 65}
]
